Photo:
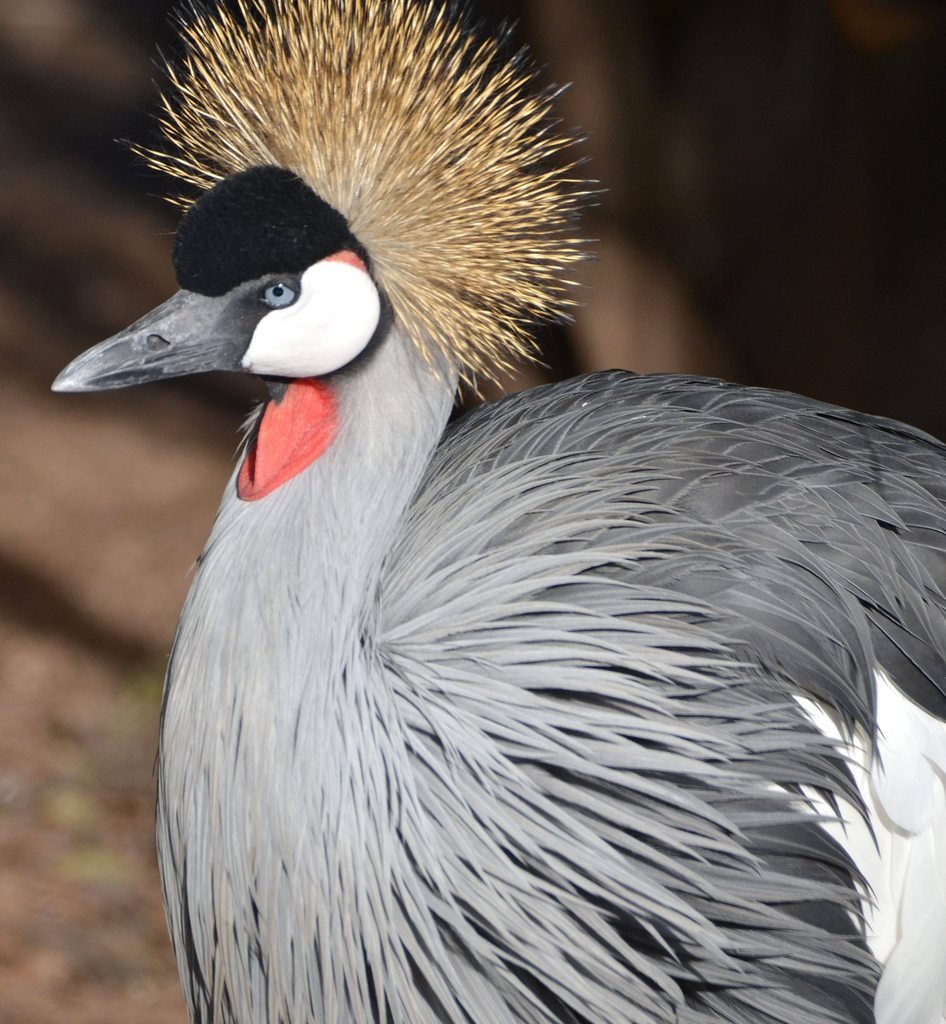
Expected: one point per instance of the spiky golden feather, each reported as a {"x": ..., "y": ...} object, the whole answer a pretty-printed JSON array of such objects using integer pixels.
[{"x": 435, "y": 146}]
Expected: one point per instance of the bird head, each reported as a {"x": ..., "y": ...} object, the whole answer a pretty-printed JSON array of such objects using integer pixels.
[
  {"x": 350, "y": 165},
  {"x": 272, "y": 283}
]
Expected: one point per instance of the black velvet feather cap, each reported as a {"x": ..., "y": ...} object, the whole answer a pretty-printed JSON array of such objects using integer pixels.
[{"x": 266, "y": 220}]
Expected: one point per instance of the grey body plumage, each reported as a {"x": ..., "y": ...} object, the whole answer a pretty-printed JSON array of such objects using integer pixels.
[
  {"x": 539, "y": 760},
  {"x": 620, "y": 701}
]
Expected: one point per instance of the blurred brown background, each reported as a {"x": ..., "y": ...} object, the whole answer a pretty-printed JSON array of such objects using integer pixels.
[{"x": 775, "y": 213}]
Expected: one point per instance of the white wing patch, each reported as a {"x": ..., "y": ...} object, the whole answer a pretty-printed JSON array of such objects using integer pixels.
[{"x": 903, "y": 789}]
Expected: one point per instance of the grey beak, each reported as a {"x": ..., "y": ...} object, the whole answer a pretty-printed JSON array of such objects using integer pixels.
[{"x": 189, "y": 333}]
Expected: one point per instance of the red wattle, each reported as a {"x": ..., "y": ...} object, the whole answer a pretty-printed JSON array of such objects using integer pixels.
[{"x": 292, "y": 434}]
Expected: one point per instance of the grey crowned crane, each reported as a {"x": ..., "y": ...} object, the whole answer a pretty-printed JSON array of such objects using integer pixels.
[{"x": 618, "y": 701}]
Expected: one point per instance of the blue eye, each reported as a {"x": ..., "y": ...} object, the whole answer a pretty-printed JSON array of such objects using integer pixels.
[{"x": 279, "y": 295}]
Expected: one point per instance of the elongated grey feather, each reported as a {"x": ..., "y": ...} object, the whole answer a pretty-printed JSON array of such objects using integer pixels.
[{"x": 548, "y": 561}]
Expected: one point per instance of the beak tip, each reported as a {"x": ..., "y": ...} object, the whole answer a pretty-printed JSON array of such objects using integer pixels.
[
  {"x": 63, "y": 385},
  {"x": 71, "y": 380}
]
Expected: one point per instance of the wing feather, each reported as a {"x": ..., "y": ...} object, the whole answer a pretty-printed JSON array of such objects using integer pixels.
[{"x": 607, "y": 601}]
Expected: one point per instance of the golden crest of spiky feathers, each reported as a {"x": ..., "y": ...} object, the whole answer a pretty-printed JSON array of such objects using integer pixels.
[{"x": 434, "y": 145}]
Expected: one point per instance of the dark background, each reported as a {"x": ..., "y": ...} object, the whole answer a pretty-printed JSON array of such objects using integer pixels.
[{"x": 774, "y": 213}]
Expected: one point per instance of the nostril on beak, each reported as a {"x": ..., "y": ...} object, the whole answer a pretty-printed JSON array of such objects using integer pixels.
[{"x": 155, "y": 343}]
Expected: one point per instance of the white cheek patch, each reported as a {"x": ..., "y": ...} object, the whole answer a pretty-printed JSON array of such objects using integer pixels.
[{"x": 331, "y": 322}]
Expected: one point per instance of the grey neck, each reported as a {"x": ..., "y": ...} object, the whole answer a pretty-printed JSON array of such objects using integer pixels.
[
  {"x": 277, "y": 730},
  {"x": 319, "y": 541}
]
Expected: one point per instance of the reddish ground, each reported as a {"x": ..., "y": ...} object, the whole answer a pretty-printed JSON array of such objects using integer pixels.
[{"x": 105, "y": 503}]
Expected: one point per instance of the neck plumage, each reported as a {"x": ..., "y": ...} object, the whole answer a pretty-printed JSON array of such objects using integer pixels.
[{"x": 278, "y": 741}]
